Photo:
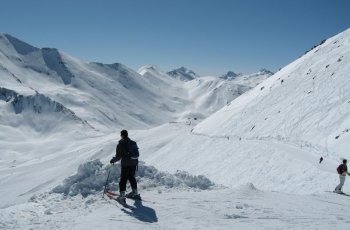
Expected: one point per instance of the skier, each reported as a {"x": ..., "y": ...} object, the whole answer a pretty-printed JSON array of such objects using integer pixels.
[
  {"x": 129, "y": 163},
  {"x": 321, "y": 159},
  {"x": 342, "y": 171}
]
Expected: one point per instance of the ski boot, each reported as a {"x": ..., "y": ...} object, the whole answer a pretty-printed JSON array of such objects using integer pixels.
[
  {"x": 134, "y": 195},
  {"x": 121, "y": 198}
]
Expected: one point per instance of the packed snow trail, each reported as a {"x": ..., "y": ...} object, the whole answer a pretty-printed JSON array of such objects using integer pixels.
[{"x": 270, "y": 165}]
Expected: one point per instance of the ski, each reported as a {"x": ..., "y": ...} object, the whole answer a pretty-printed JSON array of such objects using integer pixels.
[
  {"x": 111, "y": 193},
  {"x": 123, "y": 204},
  {"x": 339, "y": 193},
  {"x": 342, "y": 193},
  {"x": 138, "y": 197}
]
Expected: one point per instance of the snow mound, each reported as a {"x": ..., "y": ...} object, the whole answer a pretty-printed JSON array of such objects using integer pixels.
[
  {"x": 151, "y": 177},
  {"x": 91, "y": 177},
  {"x": 248, "y": 188}
]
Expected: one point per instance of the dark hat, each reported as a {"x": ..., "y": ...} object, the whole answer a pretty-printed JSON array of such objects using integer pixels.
[{"x": 124, "y": 133}]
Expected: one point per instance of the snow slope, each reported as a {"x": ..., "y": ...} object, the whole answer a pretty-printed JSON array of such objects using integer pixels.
[
  {"x": 269, "y": 165},
  {"x": 210, "y": 93},
  {"x": 305, "y": 103},
  {"x": 274, "y": 135},
  {"x": 171, "y": 201},
  {"x": 241, "y": 208},
  {"x": 200, "y": 96}
]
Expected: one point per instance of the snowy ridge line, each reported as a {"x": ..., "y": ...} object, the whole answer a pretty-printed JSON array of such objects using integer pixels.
[
  {"x": 114, "y": 95},
  {"x": 91, "y": 177}
]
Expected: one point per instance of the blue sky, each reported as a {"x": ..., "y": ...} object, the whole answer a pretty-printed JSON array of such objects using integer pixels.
[{"x": 210, "y": 37}]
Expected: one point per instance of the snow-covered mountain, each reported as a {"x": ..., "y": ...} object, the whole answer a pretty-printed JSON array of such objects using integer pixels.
[
  {"x": 107, "y": 96},
  {"x": 275, "y": 134},
  {"x": 201, "y": 96},
  {"x": 209, "y": 94},
  {"x": 95, "y": 92},
  {"x": 251, "y": 80},
  {"x": 183, "y": 74},
  {"x": 305, "y": 103},
  {"x": 230, "y": 75}
]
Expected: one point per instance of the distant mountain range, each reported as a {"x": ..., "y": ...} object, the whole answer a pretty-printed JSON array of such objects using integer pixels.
[{"x": 105, "y": 96}]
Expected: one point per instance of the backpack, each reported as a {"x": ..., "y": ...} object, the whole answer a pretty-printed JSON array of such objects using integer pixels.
[
  {"x": 340, "y": 169},
  {"x": 133, "y": 150}
]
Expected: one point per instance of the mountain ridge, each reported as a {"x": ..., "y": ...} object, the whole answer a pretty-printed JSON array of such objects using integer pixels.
[{"x": 112, "y": 95}]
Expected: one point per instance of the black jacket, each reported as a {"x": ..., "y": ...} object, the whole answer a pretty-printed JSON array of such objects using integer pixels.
[
  {"x": 122, "y": 154},
  {"x": 343, "y": 168}
]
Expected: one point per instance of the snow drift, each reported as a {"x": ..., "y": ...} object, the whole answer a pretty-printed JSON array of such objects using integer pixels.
[{"x": 91, "y": 177}]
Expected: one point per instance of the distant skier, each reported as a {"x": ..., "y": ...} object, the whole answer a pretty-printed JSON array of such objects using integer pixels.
[
  {"x": 127, "y": 152},
  {"x": 342, "y": 171},
  {"x": 321, "y": 159}
]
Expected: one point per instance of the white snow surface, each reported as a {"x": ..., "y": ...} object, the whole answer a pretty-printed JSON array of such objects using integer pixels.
[
  {"x": 254, "y": 164},
  {"x": 307, "y": 103},
  {"x": 241, "y": 208}
]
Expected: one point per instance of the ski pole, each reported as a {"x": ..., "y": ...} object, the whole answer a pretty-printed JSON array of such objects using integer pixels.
[{"x": 109, "y": 172}]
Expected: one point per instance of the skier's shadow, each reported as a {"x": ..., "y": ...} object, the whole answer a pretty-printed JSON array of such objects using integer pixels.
[{"x": 142, "y": 213}]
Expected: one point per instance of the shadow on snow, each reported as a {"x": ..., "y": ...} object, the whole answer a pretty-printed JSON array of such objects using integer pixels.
[{"x": 142, "y": 213}]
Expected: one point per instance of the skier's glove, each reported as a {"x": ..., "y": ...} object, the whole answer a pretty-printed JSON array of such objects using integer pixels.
[{"x": 113, "y": 160}]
